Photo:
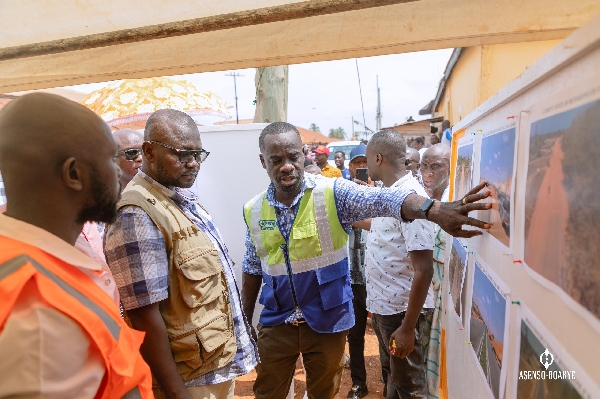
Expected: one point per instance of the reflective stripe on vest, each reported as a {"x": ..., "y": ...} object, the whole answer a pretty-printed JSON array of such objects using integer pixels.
[
  {"x": 11, "y": 266},
  {"x": 133, "y": 394},
  {"x": 329, "y": 256}
]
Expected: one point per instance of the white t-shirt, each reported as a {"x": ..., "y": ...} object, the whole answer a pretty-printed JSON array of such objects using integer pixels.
[{"x": 389, "y": 271}]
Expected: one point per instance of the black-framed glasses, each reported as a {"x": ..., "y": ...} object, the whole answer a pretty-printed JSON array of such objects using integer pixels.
[
  {"x": 186, "y": 156},
  {"x": 130, "y": 154}
]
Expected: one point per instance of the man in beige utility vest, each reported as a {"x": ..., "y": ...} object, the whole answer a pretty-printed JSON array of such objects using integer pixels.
[{"x": 173, "y": 270}]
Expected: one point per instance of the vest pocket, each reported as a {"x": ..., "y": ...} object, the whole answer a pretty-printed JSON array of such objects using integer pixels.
[
  {"x": 334, "y": 287},
  {"x": 267, "y": 294},
  {"x": 201, "y": 347},
  {"x": 199, "y": 276}
]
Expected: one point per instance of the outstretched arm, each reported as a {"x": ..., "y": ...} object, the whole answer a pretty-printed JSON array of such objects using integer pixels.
[{"x": 451, "y": 216}]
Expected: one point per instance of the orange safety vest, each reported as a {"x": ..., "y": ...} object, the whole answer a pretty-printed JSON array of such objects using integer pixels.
[{"x": 70, "y": 291}]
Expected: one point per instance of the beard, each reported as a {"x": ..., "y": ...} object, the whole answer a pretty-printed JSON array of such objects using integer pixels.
[
  {"x": 100, "y": 206},
  {"x": 169, "y": 181}
]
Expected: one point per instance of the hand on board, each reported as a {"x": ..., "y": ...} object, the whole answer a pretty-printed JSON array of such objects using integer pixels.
[{"x": 452, "y": 216}]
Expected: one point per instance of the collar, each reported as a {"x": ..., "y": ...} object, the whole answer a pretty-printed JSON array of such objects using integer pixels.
[
  {"x": 46, "y": 241},
  {"x": 177, "y": 194},
  {"x": 309, "y": 183},
  {"x": 403, "y": 179}
]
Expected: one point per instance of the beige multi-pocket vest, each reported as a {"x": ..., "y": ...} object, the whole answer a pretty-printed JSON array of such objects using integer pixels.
[{"x": 197, "y": 312}]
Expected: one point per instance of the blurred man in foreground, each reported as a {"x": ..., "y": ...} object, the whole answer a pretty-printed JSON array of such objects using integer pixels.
[{"x": 62, "y": 335}]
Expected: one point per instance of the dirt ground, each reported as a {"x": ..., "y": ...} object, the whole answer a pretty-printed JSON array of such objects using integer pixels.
[{"x": 243, "y": 385}]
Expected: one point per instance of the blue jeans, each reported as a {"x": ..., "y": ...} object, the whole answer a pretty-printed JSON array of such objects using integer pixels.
[{"x": 405, "y": 378}]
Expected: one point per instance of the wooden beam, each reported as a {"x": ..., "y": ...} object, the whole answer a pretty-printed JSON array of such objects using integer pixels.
[
  {"x": 284, "y": 12},
  {"x": 392, "y": 29}
]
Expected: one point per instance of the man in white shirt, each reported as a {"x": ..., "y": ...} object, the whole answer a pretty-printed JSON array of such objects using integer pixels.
[{"x": 399, "y": 269}]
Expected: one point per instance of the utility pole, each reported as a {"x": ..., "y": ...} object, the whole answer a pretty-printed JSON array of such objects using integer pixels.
[
  {"x": 352, "y": 128},
  {"x": 378, "y": 114},
  {"x": 271, "y": 94},
  {"x": 235, "y": 74}
]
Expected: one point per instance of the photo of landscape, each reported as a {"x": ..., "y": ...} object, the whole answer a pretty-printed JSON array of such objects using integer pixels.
[
  {"x": 457, "y": 273},
  {"x": 496, "y": 166},
  {"x": 562, "y": 206},
  {"x": 488, "y": 318},
  {"x": 529, "y": 360},
  {"x": 464, "y": 171}
]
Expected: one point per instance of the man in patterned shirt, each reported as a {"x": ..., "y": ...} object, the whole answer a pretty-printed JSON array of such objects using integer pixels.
[
  {"x": 295, "y": 243},
  {"x": 399, "y": 269},
  {"x": 173, "y": 270}
]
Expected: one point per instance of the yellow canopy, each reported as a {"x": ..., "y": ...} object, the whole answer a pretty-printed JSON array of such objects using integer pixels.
[{"x": 125, "y": 101}]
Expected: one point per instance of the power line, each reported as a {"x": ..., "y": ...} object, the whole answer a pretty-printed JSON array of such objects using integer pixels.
[
  {"x": 235, "y": 74},
  {"x": 360, "y": 90}
]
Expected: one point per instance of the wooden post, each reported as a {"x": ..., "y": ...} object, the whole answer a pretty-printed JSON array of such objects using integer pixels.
[{"x": 271, "y": 94}]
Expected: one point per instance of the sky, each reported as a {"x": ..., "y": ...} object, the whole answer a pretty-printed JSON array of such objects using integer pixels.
[
  {"x": 497, "y": 156},
  {"x": 560, "y": 121},
  {"x": 491, "y": 304},
  {"x": 327, "y": 93}
]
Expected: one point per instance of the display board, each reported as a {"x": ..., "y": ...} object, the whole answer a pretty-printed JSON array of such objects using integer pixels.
[{"x": 524, "y": 319}]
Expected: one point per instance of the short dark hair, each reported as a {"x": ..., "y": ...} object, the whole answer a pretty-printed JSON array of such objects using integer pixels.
[
  {"x": 341, "y": 152},
  {"x": 390, "y": 144},
  {"x": 420, "y": 139},
  {"x": 276, "y": 128}
]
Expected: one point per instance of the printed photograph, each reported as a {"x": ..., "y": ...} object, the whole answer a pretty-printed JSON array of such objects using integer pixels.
[
  {"x": 488, "y": 318},
  {"x": 496, "y": 166},
  {"x": 457, "y": 272},
  {"x": 562, "y": 205},
  {"x": 529, "y": 360},
  {"x": 464, "y": 171}
]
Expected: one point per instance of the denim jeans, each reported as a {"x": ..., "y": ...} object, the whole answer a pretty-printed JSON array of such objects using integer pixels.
[{"x": 405, "y": 377}]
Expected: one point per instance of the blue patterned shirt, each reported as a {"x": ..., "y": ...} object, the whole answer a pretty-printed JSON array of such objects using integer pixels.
[
  {"x": 354, "y": 202},
  {"x": 137, "y": 255}
]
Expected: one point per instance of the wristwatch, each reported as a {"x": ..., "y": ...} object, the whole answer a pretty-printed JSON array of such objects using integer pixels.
[{"x": 426, "y": 207}]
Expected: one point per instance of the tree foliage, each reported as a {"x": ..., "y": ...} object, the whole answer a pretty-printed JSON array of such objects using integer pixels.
[
  {"x": 337, "y": 133},
  {"x": 314, "y": 128}
]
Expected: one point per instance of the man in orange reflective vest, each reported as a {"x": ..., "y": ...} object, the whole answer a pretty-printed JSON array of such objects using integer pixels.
[{"x": 61, "y": 335}]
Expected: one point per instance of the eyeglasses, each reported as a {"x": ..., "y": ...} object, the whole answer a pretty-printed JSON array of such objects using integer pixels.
[
  {"x": 130, "y": 154},
  {"x": 186, "y": 156}
]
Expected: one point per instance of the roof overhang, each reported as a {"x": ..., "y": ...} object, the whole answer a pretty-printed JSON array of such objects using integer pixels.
[{"x": 72, "y": 42}]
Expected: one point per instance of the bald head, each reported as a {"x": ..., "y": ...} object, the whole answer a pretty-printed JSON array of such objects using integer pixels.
[
  {"x": 390, "y": 144},
  {"x": 58, "y": 150},
  {"x": 170, "y": 124},
  {"x": 441, "y": 151},
  {"x": 125, "y": 138},
  {"x": 130, "y": 143},
  {"x": 435, "y": 169},
  {"x": 169, "y": 137}
]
